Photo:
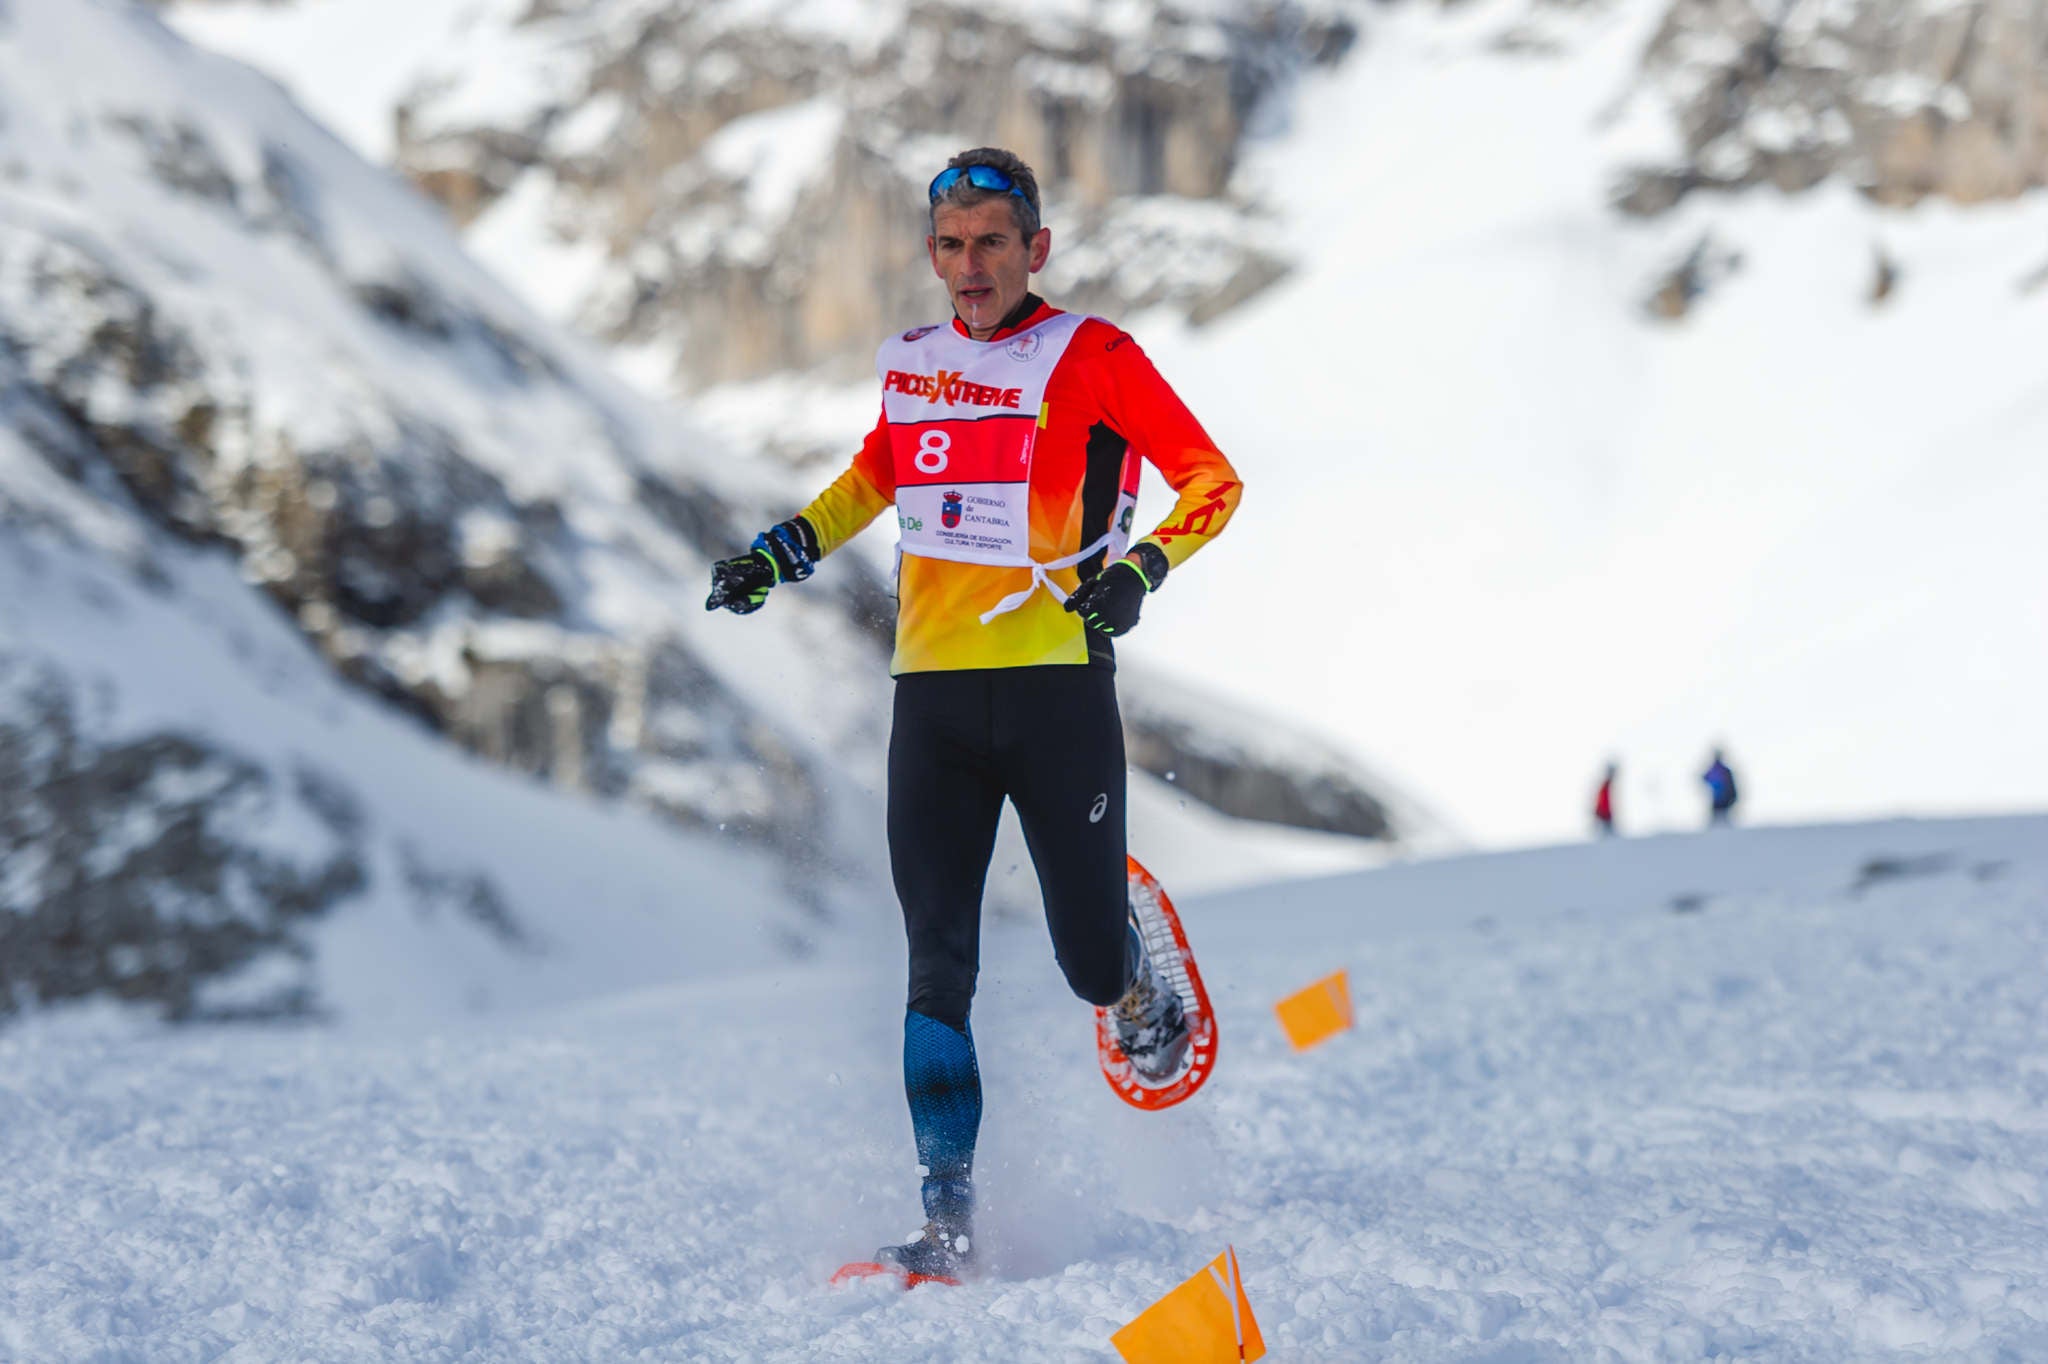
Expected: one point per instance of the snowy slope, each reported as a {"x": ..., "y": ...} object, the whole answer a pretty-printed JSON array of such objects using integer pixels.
[
  {"x": 1776, "y": 1094},
  {"x": 480, "y": 890},
  {"x": 264, "y": 426},
  {"x": 241, "y": 370},
  {"x": 1561, "y": 529}
]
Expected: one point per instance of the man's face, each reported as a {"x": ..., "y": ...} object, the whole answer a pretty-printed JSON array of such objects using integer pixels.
[{"x": 986, "y": 262}]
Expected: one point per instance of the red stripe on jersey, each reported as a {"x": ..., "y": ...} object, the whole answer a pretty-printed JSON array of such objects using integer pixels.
[{"x": 991, "y": 450}]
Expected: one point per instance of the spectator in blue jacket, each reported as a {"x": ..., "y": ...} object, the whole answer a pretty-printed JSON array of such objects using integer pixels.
[{"x": 1721, "y": 792}]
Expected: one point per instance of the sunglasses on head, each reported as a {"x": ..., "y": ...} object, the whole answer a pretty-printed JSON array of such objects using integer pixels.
[{"x": 981, "y": 177}]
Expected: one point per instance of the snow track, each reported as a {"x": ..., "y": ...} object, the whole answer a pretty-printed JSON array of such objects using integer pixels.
[{"x": 1777, "y": 1095}]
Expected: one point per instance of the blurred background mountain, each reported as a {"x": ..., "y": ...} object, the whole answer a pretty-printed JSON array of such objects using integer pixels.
[{"x": 302, "y": 514}]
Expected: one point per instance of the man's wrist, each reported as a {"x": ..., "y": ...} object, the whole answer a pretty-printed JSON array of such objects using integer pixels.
[
  {"x": 1151, "y": 563},
  {"x": 791, "y": 549}
]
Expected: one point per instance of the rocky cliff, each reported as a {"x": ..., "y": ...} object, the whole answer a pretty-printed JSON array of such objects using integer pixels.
[
  {"x": 224, "y": 340},
  {"x": 1904, "y": 99},
  {"x": 734, "y": 189},
  {"x": 224, "y": 337}
]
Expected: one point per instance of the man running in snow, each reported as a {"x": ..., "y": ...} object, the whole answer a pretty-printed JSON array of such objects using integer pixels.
[{"x": 1008, "y": 442}]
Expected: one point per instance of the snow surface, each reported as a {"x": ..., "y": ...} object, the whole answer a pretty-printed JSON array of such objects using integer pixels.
[
  {"x": 1777, "y": 1094},
  {"x": 353, "y": 62}
]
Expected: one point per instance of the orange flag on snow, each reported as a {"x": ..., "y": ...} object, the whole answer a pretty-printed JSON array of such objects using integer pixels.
[
  {"x": 1207, "y": 1320},
  {"x": 1317, "y": 1013}
]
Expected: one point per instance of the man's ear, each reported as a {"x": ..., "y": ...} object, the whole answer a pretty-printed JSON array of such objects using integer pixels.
[
  {"x": 931, "y": 248},
  {"x": 1041, "y": 248}
]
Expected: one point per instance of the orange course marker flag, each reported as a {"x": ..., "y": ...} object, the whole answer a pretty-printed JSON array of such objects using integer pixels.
[
  {"x": 1317, "y": 1013},
  {"x": 1207, "y": 1320}
]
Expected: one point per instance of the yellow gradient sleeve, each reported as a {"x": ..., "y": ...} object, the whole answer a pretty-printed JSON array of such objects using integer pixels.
[
  {"x": 857, "y": 496},
  {"x": 845, "y": 509}
]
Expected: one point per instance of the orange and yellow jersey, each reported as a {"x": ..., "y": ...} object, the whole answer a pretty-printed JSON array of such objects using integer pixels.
[{"x": 1013, "y": 464}]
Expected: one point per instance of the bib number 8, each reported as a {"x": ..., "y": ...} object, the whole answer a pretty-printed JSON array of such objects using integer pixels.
[{"x": 933, "y": 448}]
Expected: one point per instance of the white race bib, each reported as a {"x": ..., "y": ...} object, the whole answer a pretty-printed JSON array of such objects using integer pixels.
[{"x": 964, "y": 417}]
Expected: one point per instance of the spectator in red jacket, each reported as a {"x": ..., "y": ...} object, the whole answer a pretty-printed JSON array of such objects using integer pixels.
[{"x": 1603, "y": 802}]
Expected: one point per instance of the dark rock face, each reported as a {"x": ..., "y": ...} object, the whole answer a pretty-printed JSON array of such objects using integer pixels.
[
  {"x": 646, "y": 721},
  {"x": 1237, "y": 780},
  {"x": 1905, "y": 99},
  {"x": 144, "y": 868},
  {"x": 1703, "y": 267},
  {"x": 368, "y": 543}
]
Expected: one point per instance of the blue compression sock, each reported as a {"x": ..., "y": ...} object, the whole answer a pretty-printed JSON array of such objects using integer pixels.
[{"x": 944, "y": 1088}]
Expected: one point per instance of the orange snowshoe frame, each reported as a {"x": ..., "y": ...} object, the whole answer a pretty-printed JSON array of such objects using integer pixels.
[
  {"x": 1168, "y": 944},
  {"x": 870, "y": 1269}
]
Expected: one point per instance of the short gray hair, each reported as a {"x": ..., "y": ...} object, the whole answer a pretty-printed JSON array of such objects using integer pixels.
[{"x": 965, "y": 193}]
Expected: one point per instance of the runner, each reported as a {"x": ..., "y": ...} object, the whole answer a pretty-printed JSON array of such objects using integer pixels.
[{"x": 1008, "y": 442}]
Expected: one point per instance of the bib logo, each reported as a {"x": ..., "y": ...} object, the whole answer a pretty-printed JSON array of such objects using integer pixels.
[
  {"x": 949, "y": 388},
  {"x": 919, "y": 333},
  {"x": 1025, "y": 347},
  {"x": 949, "y": 511}
]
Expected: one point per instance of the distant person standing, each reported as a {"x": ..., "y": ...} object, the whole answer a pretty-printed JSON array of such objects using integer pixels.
[
  {"x": 1721, "y": 792},
  {"x": 1603, "y": 802}
]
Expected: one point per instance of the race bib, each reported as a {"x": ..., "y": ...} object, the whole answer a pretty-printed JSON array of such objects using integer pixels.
[{"x": 963, "y": 419}]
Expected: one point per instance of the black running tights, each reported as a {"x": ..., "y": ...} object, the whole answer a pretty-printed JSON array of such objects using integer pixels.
[{"x": 1050, "y": 740}]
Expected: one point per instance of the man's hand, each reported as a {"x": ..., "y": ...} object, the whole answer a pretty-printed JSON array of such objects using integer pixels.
[
  {"x": 786, "y": 553},
  {"x": 741, "y": 585},
  {"x": 1110, "y": 601}
]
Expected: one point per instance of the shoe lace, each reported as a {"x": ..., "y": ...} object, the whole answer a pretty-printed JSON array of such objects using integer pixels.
[{"x": 1141, "y": 1001}]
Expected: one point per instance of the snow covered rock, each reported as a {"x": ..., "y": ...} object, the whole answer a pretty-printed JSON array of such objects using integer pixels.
[
  {"x": 258, "y": 343},
  {"x": 734, "y": 189},
  {"x": 1902, "y": 98},
  {"x": 1260, "y": 767},
  {"x": 225, "y": 340},
  {"x": 142, "y": 868}
]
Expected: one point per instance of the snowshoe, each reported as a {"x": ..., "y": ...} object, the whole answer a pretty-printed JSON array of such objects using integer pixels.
[
  {"x": 937, "y": 1254},
  {"x": 1166, "y": 1064}
]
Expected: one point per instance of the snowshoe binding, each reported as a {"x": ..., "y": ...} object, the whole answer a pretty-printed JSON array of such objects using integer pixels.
[
  {"x": 940, "y": 1253},
  {"x": 1157, "y": 1045},
  {"x": 1150, "y": 1021}
]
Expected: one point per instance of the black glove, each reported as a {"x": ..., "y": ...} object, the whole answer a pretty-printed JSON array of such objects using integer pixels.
[
  {"x": 785, "y": 553},
  {"x": 741, "y": 585},
  {"x": 1110, "y": 601}
]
